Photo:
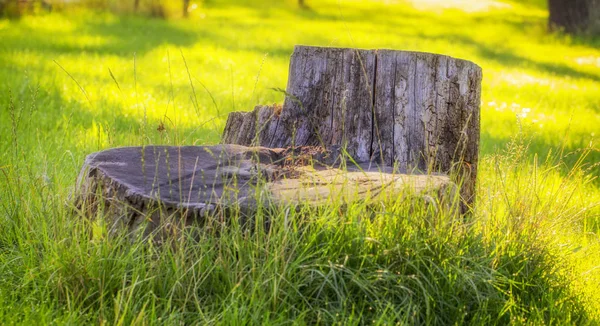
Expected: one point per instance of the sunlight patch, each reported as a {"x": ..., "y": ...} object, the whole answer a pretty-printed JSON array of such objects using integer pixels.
[
  {"x": 520, "y": 79},
  {"x": 520, "y": 112},
  {"x": 592, "y": 61},
  {"x": 4, "y": 24},
  {"x": 464, "y": 5}
]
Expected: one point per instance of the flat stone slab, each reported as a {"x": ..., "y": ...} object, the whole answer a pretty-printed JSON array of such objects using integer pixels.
[{"x": 153, "y": 184}]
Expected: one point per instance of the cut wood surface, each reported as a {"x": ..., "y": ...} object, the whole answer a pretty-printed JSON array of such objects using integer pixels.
[
  {"x": 147, "y": 186},
  {"x": 416, "y": 111}
]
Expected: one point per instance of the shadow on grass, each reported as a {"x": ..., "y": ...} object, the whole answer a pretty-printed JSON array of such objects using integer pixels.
[
  {"x": 510, "y": 59},
  {"x": 121, "y": 36},
  {"x": 403, "y": 27}
]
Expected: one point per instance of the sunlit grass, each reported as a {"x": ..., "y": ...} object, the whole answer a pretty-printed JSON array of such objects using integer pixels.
[
  {"x": 538, "y": 89},
  {"x": 463, "y": 5}
]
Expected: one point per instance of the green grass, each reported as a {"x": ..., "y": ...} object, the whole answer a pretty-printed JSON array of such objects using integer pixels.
[{"x": 78, "y": 82}]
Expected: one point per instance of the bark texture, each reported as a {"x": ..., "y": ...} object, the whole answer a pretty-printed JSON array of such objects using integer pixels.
[
  {"x": 416, "y": 112},
  {"x": 575, "y": 16}
]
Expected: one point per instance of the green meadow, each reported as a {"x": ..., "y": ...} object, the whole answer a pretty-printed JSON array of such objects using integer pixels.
[{"x": 77, "y": 81}]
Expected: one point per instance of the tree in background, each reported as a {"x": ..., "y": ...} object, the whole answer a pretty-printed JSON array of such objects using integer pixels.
[
  {"x": 575, "y": 16},
  {"x": 17, "y": 8},
  {"x": 186, "y": 6}
]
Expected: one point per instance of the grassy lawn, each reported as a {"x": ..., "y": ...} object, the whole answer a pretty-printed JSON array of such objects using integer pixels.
[{"x": 77, "y": 82}]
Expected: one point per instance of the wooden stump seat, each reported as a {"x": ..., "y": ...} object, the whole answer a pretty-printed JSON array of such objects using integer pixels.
[{"x": 356, "y": 125}]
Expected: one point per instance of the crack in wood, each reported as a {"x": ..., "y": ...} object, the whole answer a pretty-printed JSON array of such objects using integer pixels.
[
  {"x": 373, "y": 117},
  {"x": 397, "y": 107}
]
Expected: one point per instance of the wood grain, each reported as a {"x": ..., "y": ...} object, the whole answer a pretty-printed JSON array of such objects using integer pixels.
[{"x": 418, "y": 112}]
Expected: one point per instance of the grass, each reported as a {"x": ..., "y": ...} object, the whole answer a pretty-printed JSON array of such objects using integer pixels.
[{"x": 78, "y": 82}]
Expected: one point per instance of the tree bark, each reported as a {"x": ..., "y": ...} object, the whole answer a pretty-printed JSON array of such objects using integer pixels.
[
  {"x": 416, "y": 112},
  {"x": 575, "y": 16}
]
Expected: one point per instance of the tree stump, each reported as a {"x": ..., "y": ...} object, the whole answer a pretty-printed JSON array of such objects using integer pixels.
[
  {"x": 416, "y": 112},
  {"x": 356, "y": 126},
  {"x": 158, "y": 189}
]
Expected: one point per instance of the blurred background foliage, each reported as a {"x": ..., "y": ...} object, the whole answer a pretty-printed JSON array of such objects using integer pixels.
[
  {"x": 151, "y": 8},
  {"x": 572, "y": 16}
]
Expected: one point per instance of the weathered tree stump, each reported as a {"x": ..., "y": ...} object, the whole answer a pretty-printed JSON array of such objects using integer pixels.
[
  {"x": 417, "y": 112},
  {"x": 156, "y": 186},
  {"x": 356, "y": 125}
]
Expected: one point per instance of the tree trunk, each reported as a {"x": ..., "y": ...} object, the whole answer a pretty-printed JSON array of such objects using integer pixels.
[
  {"x": 575, "y": 16},
  {"x": 186, "y": 6},
  {"x": 136, "y": 5},
  {"x": 417, "y": 112}
]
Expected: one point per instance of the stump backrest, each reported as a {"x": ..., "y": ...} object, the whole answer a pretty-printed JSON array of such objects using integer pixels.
[{"x": 416, "y": 111}]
